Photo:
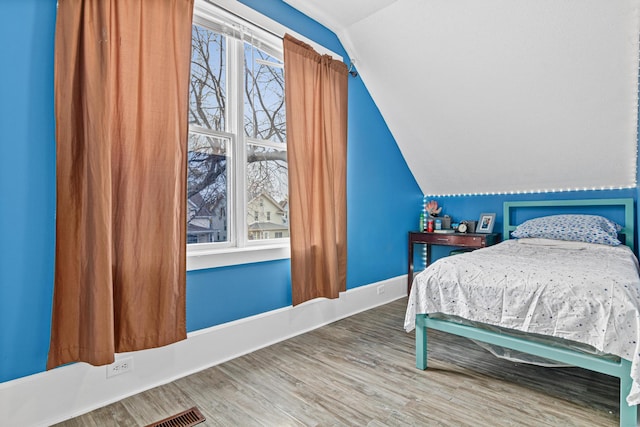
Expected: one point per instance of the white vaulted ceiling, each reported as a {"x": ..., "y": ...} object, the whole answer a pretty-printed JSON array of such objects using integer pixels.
[{"x": 492, "y": 96}]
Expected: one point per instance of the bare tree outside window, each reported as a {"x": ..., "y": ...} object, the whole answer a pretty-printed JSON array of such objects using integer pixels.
[
  {"x": 207, "y": 180},
  {"x": 264, "y": 127},
  {"x": 207, "y": 91},
  {"x": 211, "y": 101}
]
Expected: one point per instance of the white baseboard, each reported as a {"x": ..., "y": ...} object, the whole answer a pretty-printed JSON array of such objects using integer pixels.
[{"x": 53, "y": 396}]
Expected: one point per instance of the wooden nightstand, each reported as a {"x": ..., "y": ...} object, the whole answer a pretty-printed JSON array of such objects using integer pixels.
[{"x": 462, "y": 240}]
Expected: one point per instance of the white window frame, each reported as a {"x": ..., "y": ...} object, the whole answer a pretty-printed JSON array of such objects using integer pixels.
[{"x": 238, "y": 249}]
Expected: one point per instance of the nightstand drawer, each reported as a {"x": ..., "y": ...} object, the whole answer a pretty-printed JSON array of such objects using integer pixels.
[{"x": 465, "y": 240}]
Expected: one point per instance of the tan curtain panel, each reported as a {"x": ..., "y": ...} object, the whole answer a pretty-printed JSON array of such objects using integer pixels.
[
  {"x": 316, "y": 97},
  {"x": 121, "y": 98}
]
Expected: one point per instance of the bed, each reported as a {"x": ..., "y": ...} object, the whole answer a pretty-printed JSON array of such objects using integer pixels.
[{"x": 587, "y": 317}]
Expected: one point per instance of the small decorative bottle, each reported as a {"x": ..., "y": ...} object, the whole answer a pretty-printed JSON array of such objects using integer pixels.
[{"x": 421, "y": 222}]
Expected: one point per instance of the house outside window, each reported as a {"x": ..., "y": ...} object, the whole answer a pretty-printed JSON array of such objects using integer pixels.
[
  {"x": 261, "y": 208},
  {"x": 237, "y": 158}
]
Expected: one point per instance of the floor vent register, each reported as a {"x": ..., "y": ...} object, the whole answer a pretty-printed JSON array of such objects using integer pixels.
[{"x": 187, "y": 418}]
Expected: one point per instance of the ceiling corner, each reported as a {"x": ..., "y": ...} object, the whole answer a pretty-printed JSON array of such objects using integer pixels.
[{"x": 318, "y": 13}]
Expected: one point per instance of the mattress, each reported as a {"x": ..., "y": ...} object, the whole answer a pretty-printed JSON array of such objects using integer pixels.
[{"x": 580, "y": 292}]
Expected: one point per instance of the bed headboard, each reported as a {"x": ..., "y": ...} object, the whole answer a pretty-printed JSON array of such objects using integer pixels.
[{"x": 619, "y": 210}]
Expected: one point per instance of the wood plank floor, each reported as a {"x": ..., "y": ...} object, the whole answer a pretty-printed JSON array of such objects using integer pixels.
[{"x": 360, "y": 371}]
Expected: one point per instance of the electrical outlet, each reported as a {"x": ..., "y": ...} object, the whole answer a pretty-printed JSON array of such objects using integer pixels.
[
  {"x": 119, "y": 367},
  {"x": 380, "y": 289}
]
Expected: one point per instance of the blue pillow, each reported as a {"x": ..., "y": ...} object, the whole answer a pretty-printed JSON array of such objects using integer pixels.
[{"x": 578, "y": 228}]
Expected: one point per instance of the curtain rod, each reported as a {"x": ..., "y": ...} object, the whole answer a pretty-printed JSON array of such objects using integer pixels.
[{"x": 279, "y": 34}]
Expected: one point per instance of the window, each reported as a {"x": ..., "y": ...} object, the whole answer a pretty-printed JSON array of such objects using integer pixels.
[{"x": 237, "y": 154}]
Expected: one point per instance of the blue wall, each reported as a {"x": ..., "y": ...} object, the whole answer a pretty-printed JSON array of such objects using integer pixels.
[
  {"x": 27, "y": 185},
  {"x": 383, "y": 197}
]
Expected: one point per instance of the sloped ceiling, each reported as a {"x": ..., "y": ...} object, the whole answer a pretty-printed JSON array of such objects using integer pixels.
[{"x": 500, "y": 96}]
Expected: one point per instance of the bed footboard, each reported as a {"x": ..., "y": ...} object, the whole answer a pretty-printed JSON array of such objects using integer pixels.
[{"x": 620, "y": 369}]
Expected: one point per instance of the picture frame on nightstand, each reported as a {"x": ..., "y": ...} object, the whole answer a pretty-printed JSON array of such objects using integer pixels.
[{"x": 485, "y": 223}]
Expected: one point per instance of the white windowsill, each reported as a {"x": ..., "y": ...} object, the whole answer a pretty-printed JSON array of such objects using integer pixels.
[{"x": 212, "y": 258}]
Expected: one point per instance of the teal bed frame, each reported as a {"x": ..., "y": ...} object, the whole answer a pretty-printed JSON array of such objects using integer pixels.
[{"x": 618, "y": 368}]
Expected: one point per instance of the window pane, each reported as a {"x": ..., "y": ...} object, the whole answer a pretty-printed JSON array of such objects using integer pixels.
[
  {"x": 207, "y": 189},
  {"x": 267, "y": 189},
  {"x": 264, "y": 109},
  {"x": 207, "y": 91}
]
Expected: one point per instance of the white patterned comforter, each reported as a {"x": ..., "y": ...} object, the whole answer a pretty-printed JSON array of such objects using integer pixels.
[{"x": 583, "y": 292}]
